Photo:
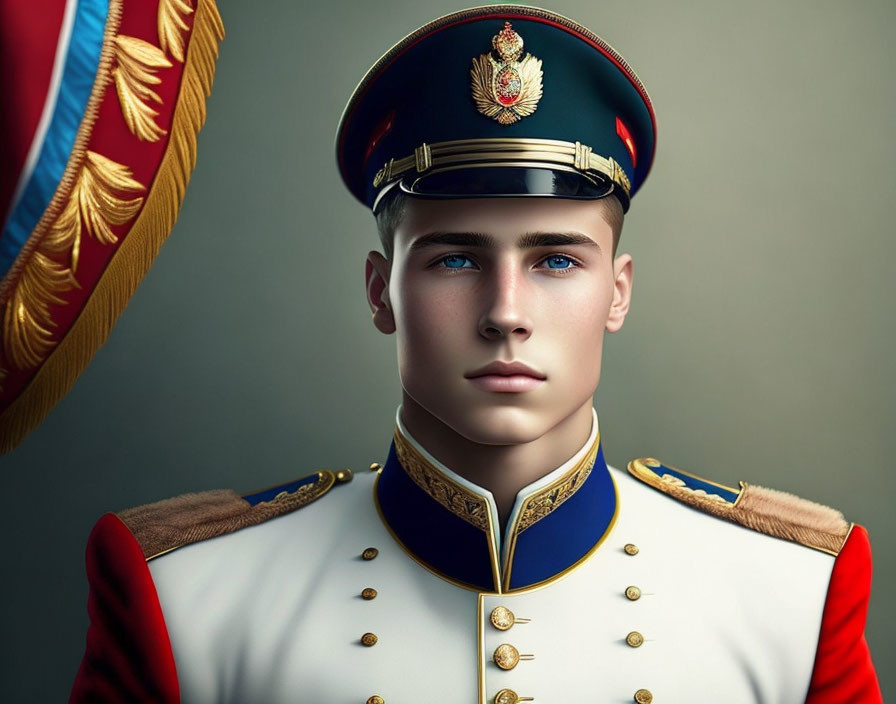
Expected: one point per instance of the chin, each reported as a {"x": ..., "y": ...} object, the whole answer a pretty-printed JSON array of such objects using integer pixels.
[{"x": 497, "y": 425}]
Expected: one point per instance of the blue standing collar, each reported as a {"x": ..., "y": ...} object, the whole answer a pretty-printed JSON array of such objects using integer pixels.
[{"x": 450, "y": 527}]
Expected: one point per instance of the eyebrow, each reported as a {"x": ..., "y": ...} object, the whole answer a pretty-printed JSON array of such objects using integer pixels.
[{"x": 530, "y": 240}]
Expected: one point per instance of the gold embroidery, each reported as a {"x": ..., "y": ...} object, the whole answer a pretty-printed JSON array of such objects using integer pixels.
[
  {"x": 27, "y": 320},
  {"x": 137, "y": 63},
  {"x": 543, "y": 502},
  {"x": 460, "y": 501},
  {"x": 765, "y": 510},
  {"x": 93, "y": 204},
  {"x": 425, "y": 565},
  {"x": 677, "y": 481},
  {"x": 305, "y": 494},
  {"x": 509, "y": 89},
  {"x": 171, "y": 24}
]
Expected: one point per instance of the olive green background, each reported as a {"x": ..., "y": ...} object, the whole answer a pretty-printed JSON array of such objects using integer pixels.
[{"x": 759, "y": 345}]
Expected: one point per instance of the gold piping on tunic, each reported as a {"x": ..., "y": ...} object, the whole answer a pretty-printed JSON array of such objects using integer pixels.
[{"x": 480, "y": 650}]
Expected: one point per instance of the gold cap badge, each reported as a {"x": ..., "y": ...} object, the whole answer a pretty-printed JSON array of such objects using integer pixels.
[{"x": 505, "y": 88}]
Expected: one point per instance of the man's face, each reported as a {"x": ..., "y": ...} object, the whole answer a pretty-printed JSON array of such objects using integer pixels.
[{"x": 477, "y": 285}]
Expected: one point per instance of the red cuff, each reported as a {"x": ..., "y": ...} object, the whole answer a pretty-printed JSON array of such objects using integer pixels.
[
  {"x": 128, "y": 656},
  {"x": 844, "y": 673}
]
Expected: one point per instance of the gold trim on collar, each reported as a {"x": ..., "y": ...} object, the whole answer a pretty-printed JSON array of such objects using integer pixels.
[
  {"x": 578, "y": 563},
  {"x": 462, "y": 502},
  {"x": 544, "y": 501},
  {"x": 425, "y": 565},
  {"x": 541, "y": 503}
]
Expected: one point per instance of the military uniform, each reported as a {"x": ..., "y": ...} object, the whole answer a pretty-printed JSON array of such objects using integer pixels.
[
  {"x": 398, "y": 585},
  {"x": 395, "y": 586}
]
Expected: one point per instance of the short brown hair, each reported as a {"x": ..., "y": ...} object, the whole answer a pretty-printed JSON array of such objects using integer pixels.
[{"x": 392, "y": 210}]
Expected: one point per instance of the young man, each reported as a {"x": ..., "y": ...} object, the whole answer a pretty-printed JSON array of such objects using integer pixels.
[{"x": 494, "y": 557}]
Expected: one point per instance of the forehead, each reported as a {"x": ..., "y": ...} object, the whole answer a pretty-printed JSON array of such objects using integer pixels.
[{"x": 504, "y": 219}]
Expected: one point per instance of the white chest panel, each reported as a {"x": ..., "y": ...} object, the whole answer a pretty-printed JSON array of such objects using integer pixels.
[{"x": 273, "y": 614}]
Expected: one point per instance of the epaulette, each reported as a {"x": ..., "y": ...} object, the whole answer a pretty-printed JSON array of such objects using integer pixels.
[
  {"x": 173, "y": 523},
  {"x": 768, "y": 511}
]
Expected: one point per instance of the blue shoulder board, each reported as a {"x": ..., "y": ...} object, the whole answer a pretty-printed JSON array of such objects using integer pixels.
[
  {"x": 166, "y": 525},
  {"x": 658, "y": 475},
  {"x": 768, "y": 511},
  {"x": 281, "y": 491}
]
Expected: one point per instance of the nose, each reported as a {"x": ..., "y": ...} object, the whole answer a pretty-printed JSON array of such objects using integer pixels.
[{"x": 505, "y": 313}]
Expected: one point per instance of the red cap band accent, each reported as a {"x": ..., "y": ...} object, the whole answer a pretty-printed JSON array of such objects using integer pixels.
[{"x": 626, "y": 137}]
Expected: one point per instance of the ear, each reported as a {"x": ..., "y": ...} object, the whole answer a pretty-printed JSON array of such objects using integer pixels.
[
  {"x": 623, "y": 271},
  {"x": 376, "y": 272}
]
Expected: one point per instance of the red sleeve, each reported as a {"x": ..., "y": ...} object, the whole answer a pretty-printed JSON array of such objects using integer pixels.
[
  {"x": 844, "y": 673},
  {"x": 128, "y": 656}
]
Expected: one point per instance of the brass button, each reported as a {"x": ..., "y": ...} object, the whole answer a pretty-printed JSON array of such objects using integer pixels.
[
  {"x": 634, "y": 639},
  {"x": 630, "y": 549},
  {"x": 508, "y": 696},
  {"x": 368, "y": 594},
  {"x": 502, "y": 618},
  {"x": 643, "y": 696},
  {"x": 369, "y": 639},
  {"x": 344, "y": 476},
  {"x": 370, "y": 553},
  {"x": 507, "y": 657},
  {"x": 376, "y": 699},
  {"x": 632, "y": 593},
  {"x": 375, "y": 466}
]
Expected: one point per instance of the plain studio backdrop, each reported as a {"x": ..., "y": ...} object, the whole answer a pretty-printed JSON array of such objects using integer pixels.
[{"x": 759, "y": 345}]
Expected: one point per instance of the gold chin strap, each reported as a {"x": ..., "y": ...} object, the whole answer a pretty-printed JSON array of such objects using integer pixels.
[{"x": 504, "y": 151}]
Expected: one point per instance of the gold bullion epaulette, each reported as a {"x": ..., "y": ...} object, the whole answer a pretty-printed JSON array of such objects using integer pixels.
[
  {"x": 173, "y": 523},
  {"x": 768, "y": 511}
]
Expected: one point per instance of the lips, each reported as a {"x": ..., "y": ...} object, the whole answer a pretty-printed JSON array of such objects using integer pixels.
[
  {"x": 506, "y": 369},
  {"x": 506, "y": 377}
]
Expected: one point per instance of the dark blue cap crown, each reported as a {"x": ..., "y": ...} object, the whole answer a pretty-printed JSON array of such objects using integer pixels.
[{"x": 498, "y": 100}]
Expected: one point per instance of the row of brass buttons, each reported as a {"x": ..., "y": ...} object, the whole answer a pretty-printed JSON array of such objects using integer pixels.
[
  {"x": 507, "y": 656},
  {"x": 369, "y": 639},
  {"x": 508, "y": 696},
  {"x": 368, "y": 593},
  {"x": 635, "y": 639}
]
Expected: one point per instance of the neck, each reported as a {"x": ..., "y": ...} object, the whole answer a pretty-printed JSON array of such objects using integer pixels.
[{"x": 503, "y": 469}]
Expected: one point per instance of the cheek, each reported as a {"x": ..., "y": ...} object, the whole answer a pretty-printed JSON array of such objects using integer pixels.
[
  {"x": 572, "y": 328},
  {"x": 578, "y": 316},
  {"x": 432, "y": 327},
  {"x": 427, "y": 311}
]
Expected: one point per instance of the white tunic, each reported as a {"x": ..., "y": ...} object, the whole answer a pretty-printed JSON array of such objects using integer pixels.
[{"x": 272, "y": 614}]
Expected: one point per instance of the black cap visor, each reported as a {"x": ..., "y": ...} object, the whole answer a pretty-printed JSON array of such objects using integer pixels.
[{"x": 507, "y": 181}]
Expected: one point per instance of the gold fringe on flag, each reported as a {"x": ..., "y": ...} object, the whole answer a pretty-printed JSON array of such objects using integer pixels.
[{"x": 138, "y": 250}]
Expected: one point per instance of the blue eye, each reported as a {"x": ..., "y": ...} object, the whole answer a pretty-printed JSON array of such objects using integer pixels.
[
  {"x": 456, "y": 261},
  {"x": 558, "y": 261}
]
